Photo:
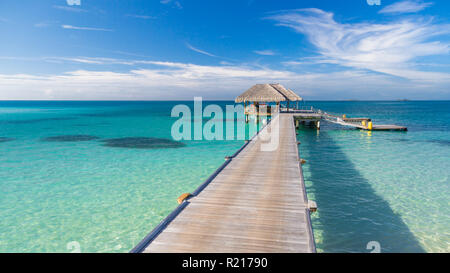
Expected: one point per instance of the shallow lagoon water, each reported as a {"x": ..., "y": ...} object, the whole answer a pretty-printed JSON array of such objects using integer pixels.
[
  {"x": 104, "y": 198},
  {"x": 389, "y": 187}
]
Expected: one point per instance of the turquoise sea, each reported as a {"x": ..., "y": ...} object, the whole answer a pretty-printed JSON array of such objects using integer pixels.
[{"x": 98, "y": 176}]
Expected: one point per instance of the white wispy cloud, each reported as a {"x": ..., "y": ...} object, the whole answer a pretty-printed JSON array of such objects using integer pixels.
[
  {"x": 406, "y": 7},
  {"x": 73, "y": 2},
  {"x": 85, "y": 28},
  {"x": 386, "y": 48},
  {"x": 145, "y": 17},
  {"x": 41, "y": 24},
  {"x": 167, "y": 80},
  {"x": 265, "y": 52},
  {"x": 46, "y": 23},
  {"x": 199, "y": 50},
  {"x": 69, "y": 8},
  {"x": 95, "y": 60},
  {"x": 176, "y": 4},
  {"x": 175, "y": 81},
  {"x": 83, "y": 60}
]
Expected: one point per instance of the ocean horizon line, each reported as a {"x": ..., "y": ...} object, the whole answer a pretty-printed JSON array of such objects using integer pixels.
[{"x": 226, "y": 100}]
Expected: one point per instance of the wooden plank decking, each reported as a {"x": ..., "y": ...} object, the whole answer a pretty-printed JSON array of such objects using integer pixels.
[
  {"x": 377, "y": 127},
  {"x": 257, "y": 203},
  {"x": 356, "y": 123}
]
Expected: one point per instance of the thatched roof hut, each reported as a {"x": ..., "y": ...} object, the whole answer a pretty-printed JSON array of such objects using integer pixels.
[
  {"x": 288, "y": 93},
  {"x": 268, "y": 93},
  {"x": 298, "y": 97},
  {"x": 261, "y": 93}
]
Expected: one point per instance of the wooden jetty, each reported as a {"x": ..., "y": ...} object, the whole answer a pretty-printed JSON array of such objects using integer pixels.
[
  {"x": 360, "y": 123},
  {"x": 255, "y": 202}
]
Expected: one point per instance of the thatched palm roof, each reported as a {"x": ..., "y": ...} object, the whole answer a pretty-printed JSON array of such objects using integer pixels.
[
  {"x": 268, "y": 93},
  {"x": 261, "y": 93},
  {"x": 298, "y": 97},
  {"x": 288, "y": 93}
]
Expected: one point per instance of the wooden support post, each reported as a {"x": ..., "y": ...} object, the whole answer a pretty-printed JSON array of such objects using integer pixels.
[{"x": 318, "y": 125}]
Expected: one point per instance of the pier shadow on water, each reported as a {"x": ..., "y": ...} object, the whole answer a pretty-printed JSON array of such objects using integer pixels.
[{"x": 350, "y": 213}]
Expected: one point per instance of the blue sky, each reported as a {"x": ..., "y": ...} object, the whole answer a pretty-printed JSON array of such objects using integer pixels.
[{"x": 169, "y": 49}]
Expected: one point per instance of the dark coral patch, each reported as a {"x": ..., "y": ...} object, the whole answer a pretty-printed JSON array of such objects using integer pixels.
[
  {"x": 442, "y": 142},
  {"x": 29, "y": 121},
  {"x": 5, "y": 139},
  {"x": 70, "y": 138},
  {"x": 400, "y": 140},
  {"x": 142, "y": 143}
]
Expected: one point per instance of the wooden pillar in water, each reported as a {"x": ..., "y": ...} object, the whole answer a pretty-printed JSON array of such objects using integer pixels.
[
  {"x": 318, "y": 125},
  {"x": 245, "y": 111},
  {"x": 257, "y": 112}
]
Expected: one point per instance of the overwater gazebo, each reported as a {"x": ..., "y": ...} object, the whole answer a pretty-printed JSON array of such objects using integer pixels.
[
  {"x": 261, "y": 93},
  {"x": 266, "y": 93}
]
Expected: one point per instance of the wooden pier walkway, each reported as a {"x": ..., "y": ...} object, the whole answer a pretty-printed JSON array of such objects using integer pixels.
[
  {"x": 256, "y": 202},
  {"x": 358, "y": 123}
]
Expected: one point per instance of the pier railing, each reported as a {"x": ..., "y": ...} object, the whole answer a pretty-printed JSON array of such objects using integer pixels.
[{"x": 362, "y": 123}]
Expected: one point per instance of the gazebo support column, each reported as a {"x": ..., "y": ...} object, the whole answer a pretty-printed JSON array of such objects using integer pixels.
[{"x": 245, "y": 111}]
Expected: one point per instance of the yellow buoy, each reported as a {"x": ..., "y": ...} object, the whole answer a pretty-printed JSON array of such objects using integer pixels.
[
  {"x": 370, "y": 127},
  {"x": 344, "y": 116},
  {"x": 183, "y": 197}
]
